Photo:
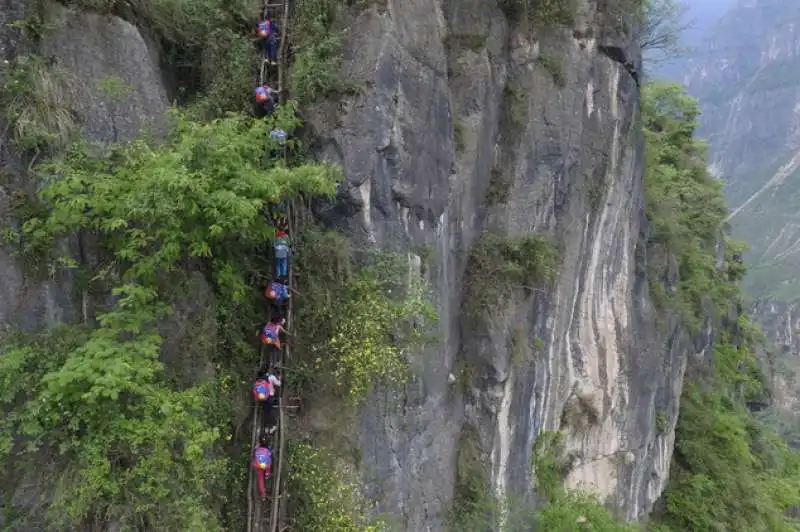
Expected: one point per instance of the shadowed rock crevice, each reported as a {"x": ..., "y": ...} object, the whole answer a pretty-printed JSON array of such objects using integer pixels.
[{"x": 619, "y": 55}]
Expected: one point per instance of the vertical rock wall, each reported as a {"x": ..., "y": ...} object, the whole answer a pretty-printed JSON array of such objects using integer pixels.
[{"x": 454, "y": 99}]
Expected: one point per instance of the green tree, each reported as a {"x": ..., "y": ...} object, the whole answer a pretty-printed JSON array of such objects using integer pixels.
[
  {"x": 360, "y": 317},
  {"x": 321, "y": 500},
  {"x": 574, "y": 511},
  {"x": 685, "y": 205}
]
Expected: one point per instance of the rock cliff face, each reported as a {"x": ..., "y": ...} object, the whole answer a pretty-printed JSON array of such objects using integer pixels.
[
  {"x": 745, "y": 76},
  {"x": 454, "y": 101},
  {"x": 91, "y": 50},
  {"x": 781, "y": 323},
  {"x": 463, "y": 124}
]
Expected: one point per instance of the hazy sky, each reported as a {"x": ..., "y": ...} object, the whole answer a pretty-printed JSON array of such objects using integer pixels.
[
  {"x": 710, "y": 4},
  {"x": 704, "y": 13},
  {"x": 702, "y": 17}
]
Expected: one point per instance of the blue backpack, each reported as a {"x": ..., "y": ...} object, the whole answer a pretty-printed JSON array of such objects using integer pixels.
[
  {"x": 277, "y": 291},
  {"x": 261, "y": 390},
  {"x": 283, "y": 291},
  {"x": 263, "y": 458},
  {"x": 281, "y": 248},
  {"x": 264, "y": 28},
  {"x": 278, "y": 134}
]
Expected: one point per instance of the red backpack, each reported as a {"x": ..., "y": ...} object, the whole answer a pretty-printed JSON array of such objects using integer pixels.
[{"x": 271, "y": 291}]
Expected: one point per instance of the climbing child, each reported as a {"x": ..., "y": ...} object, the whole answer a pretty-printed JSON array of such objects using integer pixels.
[
  {"x": 271, "y": 332},
  {"x": 279, "y": 217},
  {"x": 266, "y": 99},
  {"x": 279, "y": 136},
  {"x": 267, "y": 33},
  {"x": 277, "y": 292},
  {"x": 281, "y": 247},
  {"x": 262, "y": 463},
  {"x": 264, "y": 392}
]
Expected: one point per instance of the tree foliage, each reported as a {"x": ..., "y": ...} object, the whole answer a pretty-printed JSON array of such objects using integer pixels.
[
  {"x": 730, "y": 470},
  {"x": 574, "y": 510},
  {"x": 127, "y": 443},
  {"x": 685, "y": 207},
  {"x": 322, "y": 501},
  {"x": 317, "y": 45}
]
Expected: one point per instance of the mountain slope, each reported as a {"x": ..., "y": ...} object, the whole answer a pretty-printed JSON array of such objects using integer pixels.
[{"x": 747, "y": 77}]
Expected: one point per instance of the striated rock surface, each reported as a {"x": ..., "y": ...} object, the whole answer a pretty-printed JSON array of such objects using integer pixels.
[
  {"x": 116, "y": 84},
  {"x": 455, "y": 103}
]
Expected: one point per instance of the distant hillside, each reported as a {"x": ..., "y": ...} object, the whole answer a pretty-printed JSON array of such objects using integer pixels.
[
  {"x": 702, "y": 15},
  {"x": 747, "y": 77}
]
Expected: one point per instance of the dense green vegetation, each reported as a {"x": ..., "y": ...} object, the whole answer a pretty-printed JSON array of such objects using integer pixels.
[
  {"x": 686, "y": 209},
  {"x": 131, "y": 433},
  {"x": 131, "y": 442},
  {"x": 317, "y": 44},
  {"x": 730, "y": 471},
  {"x": 321, "y": 500}
]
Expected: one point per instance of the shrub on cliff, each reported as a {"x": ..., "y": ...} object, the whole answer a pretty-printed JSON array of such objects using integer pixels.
[
  {"x": 34, "y": 95},
  {"x": 498, "y": 265},
  {"x": 316, "y": 47},
  {"x": 360, "y": 317},
  {"x": 322, "y": 500}
]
